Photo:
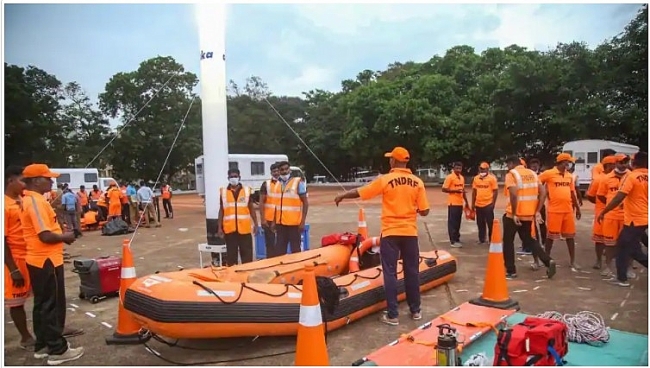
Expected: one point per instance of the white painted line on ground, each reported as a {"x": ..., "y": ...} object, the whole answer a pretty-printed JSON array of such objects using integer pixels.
[
  {"x": 614, "y": 316},
  {"x": 584, "y": 288},
  {"x": 461, "y": 291},
  {"x": 74, "y": 305},
  {"x": 541, "y": 280},
  {"x": 90, "y": 315},
  {"x": 623, "y": 303},
  {"x": 72, "y": 309},
  {"x": 520, "y": 291},
  {"x": 536, "y": 287},
  {"x": 107, "y": 325},
  {"x": 582, "y": 277},
  {"x": 99, "y": 248},
  {"x": 587, "y": 272},
  {"x": 628, "y": 294}
]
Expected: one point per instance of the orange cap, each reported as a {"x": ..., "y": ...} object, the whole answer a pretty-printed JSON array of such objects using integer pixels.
[
  {"x": 484, "y": 165},
  {"x": 38, "y": 171},
  {"x": 564, "y": 157},
  {"x": 609, "y": 160},
  {"x": 620, "y": 157},
  {"x": 399, "y": 154}
]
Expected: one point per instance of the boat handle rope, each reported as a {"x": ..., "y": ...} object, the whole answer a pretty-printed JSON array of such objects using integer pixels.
[{"x": 280, "y": 264}]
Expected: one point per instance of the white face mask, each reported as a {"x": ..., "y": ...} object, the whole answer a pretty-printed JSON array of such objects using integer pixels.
[
  {"x": 619, "y": 171},
  {"x": 285, "y": 177},
  {"x": 233, "y": 181},
  {"x": 483, "y": 174}
]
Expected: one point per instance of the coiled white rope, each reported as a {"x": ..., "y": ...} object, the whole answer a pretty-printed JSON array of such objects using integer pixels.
[{"x": 584, "y": 327}]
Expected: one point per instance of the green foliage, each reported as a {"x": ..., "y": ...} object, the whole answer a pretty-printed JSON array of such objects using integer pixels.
[{"x": 458, "y": 106}]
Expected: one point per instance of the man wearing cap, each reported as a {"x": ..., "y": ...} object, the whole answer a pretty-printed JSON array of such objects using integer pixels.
[
  {"x": 484, "y": 196},
  {"x": 403, "y": 198},
  {"x": 44, "y": 240},
  {"x": 562, "y": 201},
  {"x": 454, "y": 185},
  {"x": 599, "y": 202},
  {"x": 633, "y": 193}
]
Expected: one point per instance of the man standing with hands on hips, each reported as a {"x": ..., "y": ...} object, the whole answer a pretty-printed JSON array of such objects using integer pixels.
[
  {"x": 44, "y": 241},
  {"x": 454, "y": 185},
  {"x": 403, "y": 198},
  {"x": 484, "y": 196}
]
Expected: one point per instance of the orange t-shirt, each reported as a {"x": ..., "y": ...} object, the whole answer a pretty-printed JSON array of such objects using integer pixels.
[
  {"x": 608, "y": 187},
  {"x": 114, "y": 196},
  {"x": 37, "y": 217},
  {"x": 559, "y": 187},
  {"x": 635, "y": 206},
  {"x": 593, "y": 192},
  {"x": 454, "y": 182},
  {"x": 597, "y": 170},
  {"x": 14, "y": 229},
  {"x": 83, "y": 198},
  {"x": 485, "y": 187},
  {"x": 403, "y": 194},
  {"x": 124, "y": 198}
]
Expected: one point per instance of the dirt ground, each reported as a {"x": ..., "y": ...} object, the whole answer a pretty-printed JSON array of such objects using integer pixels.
[{"x": 175, "y": 245}]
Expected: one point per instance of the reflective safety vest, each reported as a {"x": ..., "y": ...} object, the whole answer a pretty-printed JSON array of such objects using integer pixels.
[
  {"x": 101, "y": 200},
  {"x": 236, "y": 216},
  {"x": 95, "y": 195},
  {"x": 272, "y": 199},
  {"x": 527, "y": 193},
  {"x": 166, "y": 193},
  {"x": 83, "y": 198},
  {"x": 288, "y": 207}
]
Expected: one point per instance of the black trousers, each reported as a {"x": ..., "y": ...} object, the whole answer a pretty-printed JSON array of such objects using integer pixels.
[
  {"x": 49, "y": 311},
  {"x": 510, "y": 229},
  {"x": 285, "y": 236},
  {"x": 406, "y": 247},
  {"x": 454, "y": 216},
  {"x": 238, "y": 245},
  {"x": 167, "y": 205},
  {"x": 629, "y": 246},
  {"x": 269, "y": 242},
  {"x": 126, "y": 213},
  {"x": 484, "y": 220}
]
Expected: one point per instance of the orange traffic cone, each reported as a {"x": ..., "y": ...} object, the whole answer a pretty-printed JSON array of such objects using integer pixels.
[
  {"x": 311, "y": 349},
  {"x": 363, "y": 226},
  {"x": 495, "y": 290},
  {"x": 127, "y": 331}
]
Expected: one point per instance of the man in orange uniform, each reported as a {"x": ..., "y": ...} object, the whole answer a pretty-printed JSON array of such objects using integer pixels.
[
  {"x": 485, "y": 190},
  {"x": 114, "y": 196},
  {"x": 454, "y": 185},
  {"x": 166, "y": 192},
  {"x": 403, "y": 198},
  {"x": 291, "y": 210},
  {"x": 525, "y": 196},
  {"x": 17, "y": 285},
  {"x": 562, "y": 201},
  {"x": 124, "y": 201},
  {"x": 95, "y": 196},
  {"x": 44, "y": 241},
  {"x": 267, "y": 210},
  {"x": 633, "y": 193},
  {"x": 599, "y": 203},
  {"x": 83, "y": 199},
  {"x": 612, "y": 222},
  {"x": 235, "y": 213}
]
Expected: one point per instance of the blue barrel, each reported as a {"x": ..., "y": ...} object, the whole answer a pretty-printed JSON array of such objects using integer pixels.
[{"x": 260, "y": 243}]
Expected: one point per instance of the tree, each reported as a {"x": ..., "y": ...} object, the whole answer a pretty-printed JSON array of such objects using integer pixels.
[{"x": 148, "y": 130}]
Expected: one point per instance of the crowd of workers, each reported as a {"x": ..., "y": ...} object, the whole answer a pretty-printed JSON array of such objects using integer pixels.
[{"x": 39, "y": 222}]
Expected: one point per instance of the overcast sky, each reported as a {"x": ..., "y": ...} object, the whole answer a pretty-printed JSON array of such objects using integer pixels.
[{"x": 293, "y": 47}]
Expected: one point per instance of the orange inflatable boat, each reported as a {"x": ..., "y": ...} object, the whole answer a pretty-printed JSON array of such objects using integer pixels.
[{"x": 262, "y": 298}]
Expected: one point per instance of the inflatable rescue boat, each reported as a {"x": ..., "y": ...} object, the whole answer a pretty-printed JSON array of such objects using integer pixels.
[{"x": 262, "y": 298}]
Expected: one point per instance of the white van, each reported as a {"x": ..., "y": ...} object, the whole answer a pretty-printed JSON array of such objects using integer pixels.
[
  {"x": 76, "y": 177},
  {"x": 254, "y": 170},
  {"x": 588, "y": 152}
]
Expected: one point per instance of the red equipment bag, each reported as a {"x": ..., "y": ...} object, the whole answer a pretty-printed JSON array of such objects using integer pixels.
[
  {"x": 338, "y": 238},
  {"x": 533, "y": 342}
]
